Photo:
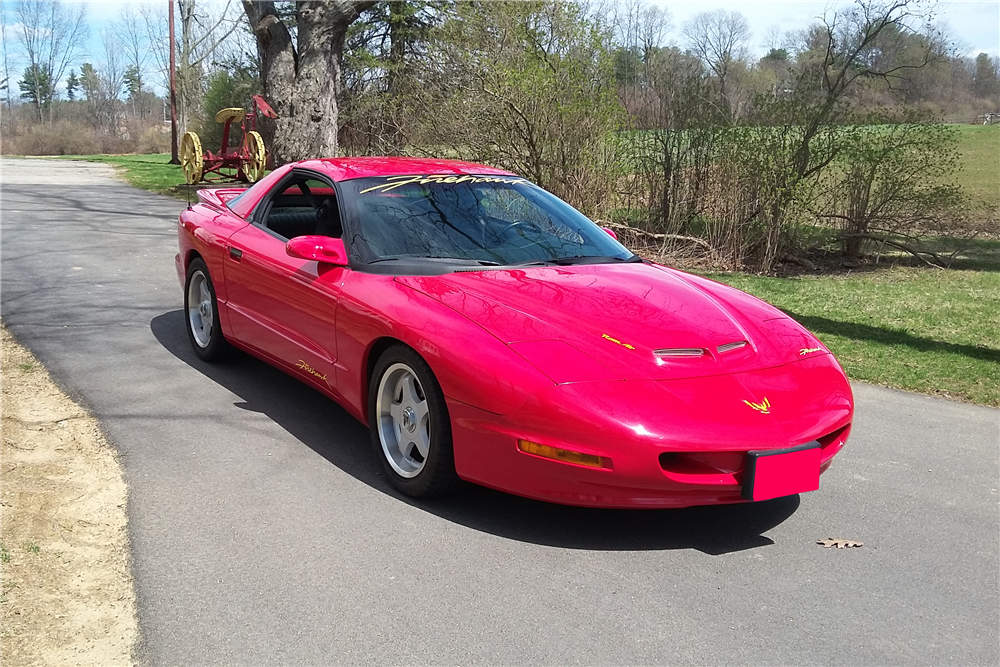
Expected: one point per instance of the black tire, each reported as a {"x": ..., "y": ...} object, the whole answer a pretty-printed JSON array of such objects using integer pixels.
[
  {"x": 407, "y": 413},
  {"x": 201, "y": 314}
]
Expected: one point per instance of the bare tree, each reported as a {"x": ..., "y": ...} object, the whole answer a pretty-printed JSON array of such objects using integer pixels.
[
  {"x": 135, "y": 48},
  {"x": 204, "y": 28},
  {"x": 719, "y": 38},
  {"x": 302, "y": 78},
  {"x": 6, "y": 82},
  {"x": 51, "y": 37},
  {"x": 154, "y": 20}
]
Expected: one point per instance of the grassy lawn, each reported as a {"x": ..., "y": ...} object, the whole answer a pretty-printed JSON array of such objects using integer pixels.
[
  {"x": 923, "y": 330},
  {"x": 979, "y": 148},
  {"x": 148, "y": 172}
]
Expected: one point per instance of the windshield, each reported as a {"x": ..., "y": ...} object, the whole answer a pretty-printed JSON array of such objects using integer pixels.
[{"x": 485, "y": 220}]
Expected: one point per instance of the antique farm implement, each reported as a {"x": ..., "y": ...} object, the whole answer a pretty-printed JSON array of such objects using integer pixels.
[{"x": 248, "y": 161}]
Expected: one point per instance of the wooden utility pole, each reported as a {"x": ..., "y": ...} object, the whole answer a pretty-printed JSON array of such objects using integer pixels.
[{"x": 173, "y": 88}]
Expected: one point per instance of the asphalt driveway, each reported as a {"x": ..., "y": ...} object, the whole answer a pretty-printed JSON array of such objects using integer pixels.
[{"x": 262, "y": 532}]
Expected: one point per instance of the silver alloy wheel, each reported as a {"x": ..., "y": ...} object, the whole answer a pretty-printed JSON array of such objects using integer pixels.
[
  {"x": 201, "y": 315},
  {"x": 404, "y": 420}
]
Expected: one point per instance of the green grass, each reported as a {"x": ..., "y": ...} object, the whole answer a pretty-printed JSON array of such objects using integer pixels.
[
  {"x": 979, "y": 148},
  {"x": 148, "y": 172},
  {"x": 933, "y": 332}
]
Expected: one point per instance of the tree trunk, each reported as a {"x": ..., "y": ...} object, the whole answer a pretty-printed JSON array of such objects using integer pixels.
[{"x": 303, "y": 85}]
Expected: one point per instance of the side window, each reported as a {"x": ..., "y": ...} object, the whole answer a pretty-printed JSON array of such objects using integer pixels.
[{"x": 304, "y": 206}]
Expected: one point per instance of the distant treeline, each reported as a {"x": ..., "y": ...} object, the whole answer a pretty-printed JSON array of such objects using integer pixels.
[{"x": 674, "y": 130}]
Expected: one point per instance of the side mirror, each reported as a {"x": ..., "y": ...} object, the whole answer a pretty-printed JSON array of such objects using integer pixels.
[
  {"x": 610, "y": 232},
  {"x": 318, "y": 248}
]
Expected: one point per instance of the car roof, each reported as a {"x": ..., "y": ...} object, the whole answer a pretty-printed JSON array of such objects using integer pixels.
[{"x": 341, "y": 169}]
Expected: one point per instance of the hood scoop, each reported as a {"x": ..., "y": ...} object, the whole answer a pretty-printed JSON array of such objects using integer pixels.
[
  {"x": 637, "y": 321},
  {"x": 679, "y": 352},
  {"x": 735, "y": 345}
]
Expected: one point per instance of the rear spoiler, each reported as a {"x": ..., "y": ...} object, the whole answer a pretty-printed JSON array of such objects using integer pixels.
[{"x": 218, "y": 197}]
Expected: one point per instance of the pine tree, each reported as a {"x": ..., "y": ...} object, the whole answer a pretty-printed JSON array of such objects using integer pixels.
[{"x": 72, "y": 83}]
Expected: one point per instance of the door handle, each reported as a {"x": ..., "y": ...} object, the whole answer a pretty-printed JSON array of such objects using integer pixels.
[{"x": 235, "y": 253}]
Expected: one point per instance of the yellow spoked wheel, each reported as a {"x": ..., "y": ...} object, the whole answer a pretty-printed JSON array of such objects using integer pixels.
[
  {"x": 192, "y": 160},
  {"x": 256, "y": 160}
]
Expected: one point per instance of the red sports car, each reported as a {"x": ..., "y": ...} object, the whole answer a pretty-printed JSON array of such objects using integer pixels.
[{"x": 486, "y": 331}]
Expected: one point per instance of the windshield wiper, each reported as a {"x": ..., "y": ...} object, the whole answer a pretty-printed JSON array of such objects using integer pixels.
[
  {"x": 465, "y": 260},
  {"x": 582, "y": 259}
]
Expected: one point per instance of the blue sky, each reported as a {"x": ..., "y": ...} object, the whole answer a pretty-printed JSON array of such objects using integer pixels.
[{"x": 973, "y": 24}]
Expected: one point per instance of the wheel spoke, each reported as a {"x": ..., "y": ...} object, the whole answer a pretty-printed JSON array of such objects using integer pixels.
[
  {"x": 406, "y": 444},
  {"x": 421, "y": 410},
  {"x": 422, "y": 439},
  {"x": 408, "y": 386},
  {"x": 396, "y": 411}
]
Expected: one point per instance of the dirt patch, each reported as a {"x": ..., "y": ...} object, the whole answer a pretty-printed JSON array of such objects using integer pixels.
[{"x": 67, "y": 587}]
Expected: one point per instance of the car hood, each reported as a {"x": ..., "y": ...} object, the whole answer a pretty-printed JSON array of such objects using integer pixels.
[{"x": 633, "y": 321}]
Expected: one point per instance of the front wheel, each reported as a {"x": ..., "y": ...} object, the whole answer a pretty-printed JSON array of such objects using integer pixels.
[
  {"x": 410, "y": 427},
  {"x": 202, "y": 311}
]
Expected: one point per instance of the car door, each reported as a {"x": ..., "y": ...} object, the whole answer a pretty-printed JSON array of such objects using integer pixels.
[{"x": 286, "y": 307}]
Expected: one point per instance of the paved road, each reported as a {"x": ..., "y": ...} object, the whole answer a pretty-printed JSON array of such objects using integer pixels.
[{"x": 262, "y": 532}]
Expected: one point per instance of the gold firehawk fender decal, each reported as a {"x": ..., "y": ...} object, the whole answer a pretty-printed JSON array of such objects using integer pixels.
[
  {"x": 763, "y": 407},
  {"x": 809, "y": 350},
  {"x": 615, "y": 340},
  {"x": 309, "y": 369},
  {"x": 393, "y": 182}
]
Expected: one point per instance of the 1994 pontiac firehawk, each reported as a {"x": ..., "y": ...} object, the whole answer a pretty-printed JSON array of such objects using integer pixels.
[{"x": 488, "y": 332}]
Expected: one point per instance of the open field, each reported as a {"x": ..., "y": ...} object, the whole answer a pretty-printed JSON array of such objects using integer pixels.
[
  {"x": 979, "y": 150},
  {"x": 930, "y": 331}
]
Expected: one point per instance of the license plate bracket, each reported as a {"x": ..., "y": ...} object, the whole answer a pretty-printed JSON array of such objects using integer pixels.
[{"x": 773, "y": 473}]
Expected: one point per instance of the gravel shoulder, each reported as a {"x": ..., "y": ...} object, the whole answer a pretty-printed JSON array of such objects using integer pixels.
[{"x": 67, "y": 584}]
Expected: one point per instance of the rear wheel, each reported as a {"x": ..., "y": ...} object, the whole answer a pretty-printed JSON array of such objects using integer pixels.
[
  {"x": 410, "y": 426},
  {"x": 202, "y": 311}
]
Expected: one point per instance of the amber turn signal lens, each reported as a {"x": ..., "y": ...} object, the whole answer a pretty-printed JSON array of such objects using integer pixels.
[{"x": 564, "y": 455}]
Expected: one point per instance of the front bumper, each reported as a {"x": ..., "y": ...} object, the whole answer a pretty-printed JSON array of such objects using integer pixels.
[{"x": 674, "y": 443}]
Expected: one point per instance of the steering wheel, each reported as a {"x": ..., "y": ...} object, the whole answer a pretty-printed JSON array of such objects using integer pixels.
[{"x": 521, "y": 226}]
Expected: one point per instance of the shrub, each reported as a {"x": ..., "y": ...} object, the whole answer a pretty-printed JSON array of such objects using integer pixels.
[
  {"x": 60, "y": 138},
  {"x": 154, "y": 140}
]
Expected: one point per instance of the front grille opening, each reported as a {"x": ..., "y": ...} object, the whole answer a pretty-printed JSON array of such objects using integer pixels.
[
  {"x": 833, "y": 437},
  {"x": 702, "y": 463}
]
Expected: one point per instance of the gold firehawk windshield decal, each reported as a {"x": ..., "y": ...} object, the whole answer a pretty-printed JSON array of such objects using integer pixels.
[
  {"x": 393, "y": 182},
  {"x": 809, "y": 350},
  {"x": 309, "y": 369},
  {"x": 615, "y": 340},
  {"x": 763, "y": 407}
]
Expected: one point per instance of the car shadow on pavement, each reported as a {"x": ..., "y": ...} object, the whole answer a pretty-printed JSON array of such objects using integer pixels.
[{"x": 327, "y": 429}]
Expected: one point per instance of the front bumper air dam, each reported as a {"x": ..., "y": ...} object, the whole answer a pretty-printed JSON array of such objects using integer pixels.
[{"x": 675, "y": 443}]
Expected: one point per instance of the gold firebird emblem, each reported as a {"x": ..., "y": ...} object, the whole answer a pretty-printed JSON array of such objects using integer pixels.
[
  {"x": 763, "y": 407},
  {"x": 302, "y": 365}
]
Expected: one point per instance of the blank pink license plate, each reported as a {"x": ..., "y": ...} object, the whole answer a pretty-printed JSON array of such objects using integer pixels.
[{"x": 781, "y": 472}]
